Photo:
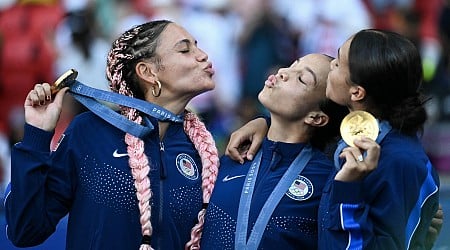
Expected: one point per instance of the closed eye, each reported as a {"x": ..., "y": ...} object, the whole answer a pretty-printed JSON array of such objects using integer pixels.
[{"x": 300, "y": 79}]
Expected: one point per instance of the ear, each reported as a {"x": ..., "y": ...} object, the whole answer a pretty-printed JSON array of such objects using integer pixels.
[
  {"x": 357, "y": 93},
  {"x": 317, "y": 119},
  {"x": 146, "y": 72}
]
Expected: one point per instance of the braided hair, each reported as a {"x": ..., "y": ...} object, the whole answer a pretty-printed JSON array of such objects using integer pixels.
[{"x": 140, "y": 42}]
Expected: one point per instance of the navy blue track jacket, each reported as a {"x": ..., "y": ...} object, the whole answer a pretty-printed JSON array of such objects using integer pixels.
[
  {"x": 293, "y": 224},
  {"x": 89, "y": 177},
  {"x": 391, "y": 208}
]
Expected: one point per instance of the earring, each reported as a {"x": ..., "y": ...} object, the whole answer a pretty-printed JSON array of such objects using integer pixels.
[{"x": 157, "y": 93}]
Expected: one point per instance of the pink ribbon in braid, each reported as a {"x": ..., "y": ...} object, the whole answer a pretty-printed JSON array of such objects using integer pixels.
[{"x": 206, "y": 147}]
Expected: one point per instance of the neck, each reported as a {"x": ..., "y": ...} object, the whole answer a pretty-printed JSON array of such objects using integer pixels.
[
  {"x": 288, "y": 131},
  {"x": 354, "y": 106},
  {"x": 176, "y": 108}
]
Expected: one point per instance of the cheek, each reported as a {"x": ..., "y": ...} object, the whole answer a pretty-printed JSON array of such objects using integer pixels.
[
  {"x": 333, "y": 88},
  {"x": 330, "y": 84},
  {"x": 328, "y": 87}
]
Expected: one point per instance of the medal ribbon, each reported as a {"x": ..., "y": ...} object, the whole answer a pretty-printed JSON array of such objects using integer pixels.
[
  {"x": 89, "y": 98},
  {"x": 285, "y": 182}
]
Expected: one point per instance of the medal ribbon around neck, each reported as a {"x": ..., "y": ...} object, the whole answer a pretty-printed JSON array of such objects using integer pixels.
[
  {"x": 90, "y": 97},
  {"x": 283, "y": 185}
]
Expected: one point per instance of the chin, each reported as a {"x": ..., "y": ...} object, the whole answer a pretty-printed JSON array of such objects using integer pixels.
[
  {"x": 205, "y": 89},
  {"x": 264, "y": 99}
]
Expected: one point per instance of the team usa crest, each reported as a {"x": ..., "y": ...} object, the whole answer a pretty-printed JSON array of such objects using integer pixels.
[
  {"x": 301, "y": 189},
  {"x": 187, "y": 167}
]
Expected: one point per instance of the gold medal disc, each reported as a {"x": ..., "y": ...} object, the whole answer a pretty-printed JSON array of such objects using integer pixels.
[
  {"x": 358, "y": 123},
  {"x": 62, "y": 81}
]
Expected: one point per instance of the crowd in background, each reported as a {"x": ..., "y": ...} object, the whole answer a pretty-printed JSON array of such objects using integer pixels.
[{"x": 245, "y": 39}]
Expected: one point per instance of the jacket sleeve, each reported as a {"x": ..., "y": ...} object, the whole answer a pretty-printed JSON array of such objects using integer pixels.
[
  {"x": 39, "y": 190},
  {"x": 391, "y": 209}
]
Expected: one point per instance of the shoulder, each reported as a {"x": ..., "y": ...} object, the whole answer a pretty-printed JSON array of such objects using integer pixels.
[
  {"x": 228, "y": 164},
  {"x": 402, "y": 150},
  {"x": 403, "y": 156},
  {"x": 321, "y": 160},
  {"x": 88, "y": 123},
  {"x": 229, "y": 167},
  {"x": 88, "y": 118}
]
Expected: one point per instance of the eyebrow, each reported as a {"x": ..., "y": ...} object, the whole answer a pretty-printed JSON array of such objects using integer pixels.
[{"x": 184, "y": 41}]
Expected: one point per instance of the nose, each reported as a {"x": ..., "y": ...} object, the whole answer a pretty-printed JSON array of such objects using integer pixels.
[
  {"x": 333, "y": 64},
  {"x": 201, "y": 56},
  {"x": 283, "y": 74}
]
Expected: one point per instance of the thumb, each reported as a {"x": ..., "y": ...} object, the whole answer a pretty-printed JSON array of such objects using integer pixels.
[{"x": 59, "y": 97}]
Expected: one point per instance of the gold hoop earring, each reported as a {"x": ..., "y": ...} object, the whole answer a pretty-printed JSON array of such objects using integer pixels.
[{"x": 157, "y": 93}]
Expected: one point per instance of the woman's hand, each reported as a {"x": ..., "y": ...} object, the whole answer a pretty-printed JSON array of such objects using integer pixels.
[
  {"x": 435, "y": 227},
  {"x": 40, "y": 110},
  {"x": 356, "y": 166},
  {"x": 245, "y": 142}
]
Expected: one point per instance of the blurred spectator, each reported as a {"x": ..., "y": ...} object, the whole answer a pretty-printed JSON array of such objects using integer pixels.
[
  {"x": 442, "y": 80},
  {"x": 323, "y": 25},
  {"x": 80, "y": 46},
  {"x": 26, "y": 51},
  {"x": 26, "y": 56},
  {"x": 126, "y": 16},
  {"x": 437, "y": 134},
  {"x": 214, "y": 26},
  {"x": 265, "y": 43},
  {"x": 166, "y": 9},
  {"x": 416, "y": 19},
  {"x": 5, "y": 165}
]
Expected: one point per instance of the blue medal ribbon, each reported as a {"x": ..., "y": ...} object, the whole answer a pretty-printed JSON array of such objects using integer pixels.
[
  {"x": 90, "y": 97},
  {"x": 280, "y": 189}
]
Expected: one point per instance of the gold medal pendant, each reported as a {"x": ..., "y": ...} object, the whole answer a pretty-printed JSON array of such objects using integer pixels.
[
  {"x": 359, "y": 123},
  {"x": 62, "y": 81}
]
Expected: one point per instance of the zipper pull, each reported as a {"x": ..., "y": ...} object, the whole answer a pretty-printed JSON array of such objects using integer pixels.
[{"x": 162, "y": 169}]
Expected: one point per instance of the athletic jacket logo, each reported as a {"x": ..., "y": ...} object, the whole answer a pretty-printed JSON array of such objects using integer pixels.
[
  {"x": 301, "y": 189},
  {"x": 118, "y": 155},
  {"x": 228, "y": 178},
  {"x": 186, "y": 166}
]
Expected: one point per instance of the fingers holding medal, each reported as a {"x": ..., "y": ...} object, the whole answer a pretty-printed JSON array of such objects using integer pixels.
[
  {"x": 42, "y": 93},
  {"x": 361, "y": 159}
]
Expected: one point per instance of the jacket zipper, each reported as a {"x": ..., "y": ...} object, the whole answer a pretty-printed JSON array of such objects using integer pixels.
[{"x": 161, "y": 187}]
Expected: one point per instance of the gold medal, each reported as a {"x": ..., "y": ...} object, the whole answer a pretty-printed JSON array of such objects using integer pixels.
[
  {"x": 358, "y": 123},
  {"x": 62, "y": 81}
]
